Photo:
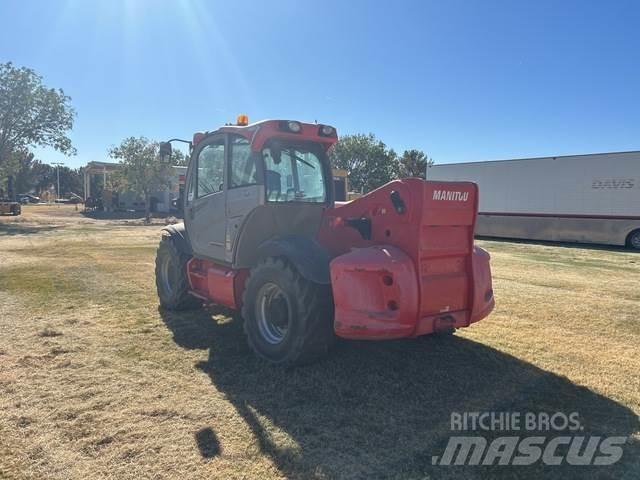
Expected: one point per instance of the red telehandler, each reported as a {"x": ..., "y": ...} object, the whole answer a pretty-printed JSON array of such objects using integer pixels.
[{"x": 263, "y": 234}]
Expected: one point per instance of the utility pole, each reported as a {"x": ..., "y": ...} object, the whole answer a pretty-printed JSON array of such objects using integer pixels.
[{"x": 58, "y": 165}]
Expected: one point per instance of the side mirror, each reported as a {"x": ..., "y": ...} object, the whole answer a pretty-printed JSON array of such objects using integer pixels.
[{"x": 165, "y": 151}]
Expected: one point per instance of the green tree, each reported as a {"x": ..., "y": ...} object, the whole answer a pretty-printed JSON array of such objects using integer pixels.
[
  {"x": 413, "y": 163},
  {"x": 141, "y": 170},
  {"x": 367, "y": 160},
  {"x": 178, "y": 158},
  {"x": 26, "y": 170},
  {"x": 31, "y": 114},
  {"x": 71, "y": 180},
  {"x": 13, "y": 163},
  {"x": 33, "y": 176}
]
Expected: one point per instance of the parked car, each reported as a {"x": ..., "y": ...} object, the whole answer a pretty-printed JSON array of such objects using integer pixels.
[
  {"x": 25, "y": 198},
  {"x": 73, "y": 198},
  {"x": 176, "y": 205}
]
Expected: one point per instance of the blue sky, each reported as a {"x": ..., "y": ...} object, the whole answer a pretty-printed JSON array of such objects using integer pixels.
[{"x": 462, "y": 80}]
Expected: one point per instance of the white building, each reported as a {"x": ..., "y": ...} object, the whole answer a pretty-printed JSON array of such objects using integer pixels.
[{"x": 96, "y": 176}]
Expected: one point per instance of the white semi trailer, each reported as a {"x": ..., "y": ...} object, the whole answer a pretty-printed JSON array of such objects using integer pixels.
[{"x": 591, "y": 198}]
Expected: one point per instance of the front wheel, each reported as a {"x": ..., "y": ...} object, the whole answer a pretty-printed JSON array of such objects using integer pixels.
[
  {"x": 171, "y": 277},
  {"x": 287, "y": 318}
]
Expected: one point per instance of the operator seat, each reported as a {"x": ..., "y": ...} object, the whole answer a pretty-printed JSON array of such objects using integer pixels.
[{"x": 273, "y": 184}]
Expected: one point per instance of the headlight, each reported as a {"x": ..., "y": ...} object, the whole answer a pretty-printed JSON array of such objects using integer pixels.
[
  {"x": 326, "y": 131},
  {"x": 290, "y": 126},
  {"x": 294, "y": 127}
]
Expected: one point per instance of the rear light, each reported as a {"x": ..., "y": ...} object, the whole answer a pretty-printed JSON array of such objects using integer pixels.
[
  {"x": 326, "y": 131},
  {"x": 290, "y": 126},
  {"x": 335, "y": 222}
]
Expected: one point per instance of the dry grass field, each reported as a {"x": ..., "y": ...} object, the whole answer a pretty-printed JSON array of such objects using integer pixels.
[{"x": 97, "y": 382}]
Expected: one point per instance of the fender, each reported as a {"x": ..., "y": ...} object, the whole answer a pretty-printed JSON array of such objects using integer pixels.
[
  {"x": 307, "y": 255},
  {"x": 179, "y": 235}
]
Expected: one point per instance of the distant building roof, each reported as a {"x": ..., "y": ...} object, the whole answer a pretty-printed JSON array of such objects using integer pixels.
[{"x": 99, "y": 167}]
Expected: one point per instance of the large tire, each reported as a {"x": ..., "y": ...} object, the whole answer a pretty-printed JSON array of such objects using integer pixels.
[
  {"x": 633, "y": 240},
  {"x": 171, "y": 277},
  {"x": 288, "y": 319},
  {"x": 447, "y": 332}
]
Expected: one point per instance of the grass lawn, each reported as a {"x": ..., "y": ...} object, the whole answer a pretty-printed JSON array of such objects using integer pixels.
[{"x": 97, "y": 382}]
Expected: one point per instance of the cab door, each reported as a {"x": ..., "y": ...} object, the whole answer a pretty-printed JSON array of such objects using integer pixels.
[
  {"x": 205, "y": 202},
  {"x": 244, "y": 192}
]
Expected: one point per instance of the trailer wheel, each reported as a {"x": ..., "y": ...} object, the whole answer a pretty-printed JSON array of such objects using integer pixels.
[
  {"x": 171, "y": 277},
  {"x": 287, "y": 318},
  {"x": 633, "y": 240}
]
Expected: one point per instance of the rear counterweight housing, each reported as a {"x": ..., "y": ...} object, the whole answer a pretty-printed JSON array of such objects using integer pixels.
[
  {"x": 375, "y": 293},
  {"x": 416, "y": 270}
]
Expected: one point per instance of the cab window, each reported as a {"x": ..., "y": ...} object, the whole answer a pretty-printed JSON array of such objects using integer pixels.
[
  {"x": 210, "y": 169},
  {"x": 293, "y": 173},
  {"x": 242, "y": 167}
]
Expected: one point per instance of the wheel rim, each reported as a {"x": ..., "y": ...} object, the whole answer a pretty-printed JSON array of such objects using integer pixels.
[
  {"x": 635, "y": 241},
  {"x": 273, "y": 313},
  {"x": 166, "y": 275}
]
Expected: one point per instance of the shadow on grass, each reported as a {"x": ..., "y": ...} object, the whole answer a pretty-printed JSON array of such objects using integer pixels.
[
  {"x": 207, "y": 443},
  {"x": 100, "y": 215},
  {"x": 20, "y": 229},
  {"x": 118, "y": 215},
  {"x": 382, "y": 409}
]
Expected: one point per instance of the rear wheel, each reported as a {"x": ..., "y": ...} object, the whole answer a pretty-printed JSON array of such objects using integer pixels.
[
  {"x": 445, "y": 332},
  {"x": 634, "y": 240},
  {"x": 287, "y": 318},
  {"x": 171, "y": 277}
]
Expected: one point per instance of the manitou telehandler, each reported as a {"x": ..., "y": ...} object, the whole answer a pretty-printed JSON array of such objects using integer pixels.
[{"x": 262, "y": 234}]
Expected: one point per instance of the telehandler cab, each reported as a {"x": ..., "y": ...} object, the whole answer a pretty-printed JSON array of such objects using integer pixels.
[{"x": 263, "y": 234}]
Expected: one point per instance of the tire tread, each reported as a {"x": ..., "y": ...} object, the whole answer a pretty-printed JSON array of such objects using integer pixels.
[
  {"x": 181, "y": 299},
  {"x": 314, "y": 310}
]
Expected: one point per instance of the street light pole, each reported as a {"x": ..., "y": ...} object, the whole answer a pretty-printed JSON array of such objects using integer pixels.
[{"x": 58, "y": 165}]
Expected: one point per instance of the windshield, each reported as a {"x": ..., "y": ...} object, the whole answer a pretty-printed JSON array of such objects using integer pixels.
[{"x": 294, "y": 173}]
